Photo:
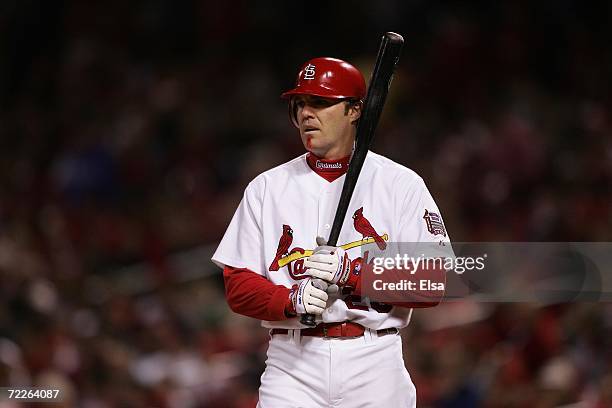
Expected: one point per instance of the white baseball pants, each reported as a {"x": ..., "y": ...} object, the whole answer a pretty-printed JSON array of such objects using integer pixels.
[{"x": 315, "y": 372}]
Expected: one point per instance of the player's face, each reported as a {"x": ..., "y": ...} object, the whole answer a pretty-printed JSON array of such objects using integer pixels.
[{"x": 327, "y": 126}]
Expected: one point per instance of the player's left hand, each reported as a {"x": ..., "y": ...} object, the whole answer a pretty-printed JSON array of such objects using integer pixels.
[{"x": 329, "y": 263}]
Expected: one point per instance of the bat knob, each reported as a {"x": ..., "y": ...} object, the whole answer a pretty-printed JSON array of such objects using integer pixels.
[
  {"x": 308, "y": 320},
  {"x": 394, "y": 38}
]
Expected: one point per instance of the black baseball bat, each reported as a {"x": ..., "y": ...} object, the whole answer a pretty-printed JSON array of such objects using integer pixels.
[{"x": 386, "y": 61}]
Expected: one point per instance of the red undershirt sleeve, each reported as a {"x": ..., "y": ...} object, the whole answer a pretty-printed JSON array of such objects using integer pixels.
[
  {"x": 250, "y": 294},
  {"x": 425, "y": 300}
]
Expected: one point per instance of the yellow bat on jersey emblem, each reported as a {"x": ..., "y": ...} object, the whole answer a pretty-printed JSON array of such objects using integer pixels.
[{"x": 294, "y": 256}]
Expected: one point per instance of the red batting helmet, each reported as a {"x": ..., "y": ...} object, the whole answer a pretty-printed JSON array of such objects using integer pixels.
[{"x": 329, "y": 78}]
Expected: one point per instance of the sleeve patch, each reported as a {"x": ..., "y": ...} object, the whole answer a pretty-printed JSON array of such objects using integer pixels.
[{"x": 435, "y": 226}]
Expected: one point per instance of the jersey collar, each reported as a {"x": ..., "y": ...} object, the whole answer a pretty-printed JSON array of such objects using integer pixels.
[{"x": 328, "y": 169}]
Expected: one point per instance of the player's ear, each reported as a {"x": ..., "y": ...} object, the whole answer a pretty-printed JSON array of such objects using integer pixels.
[{"x": 355, "y": 110}]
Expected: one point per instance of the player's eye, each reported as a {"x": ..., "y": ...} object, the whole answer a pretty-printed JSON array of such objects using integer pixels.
[
  {"x": 321, "y": 102},
  {"x": 300, "y": 103}
]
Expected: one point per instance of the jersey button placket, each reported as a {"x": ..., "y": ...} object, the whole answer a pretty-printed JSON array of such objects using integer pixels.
[{"x": 322, "y": 225}]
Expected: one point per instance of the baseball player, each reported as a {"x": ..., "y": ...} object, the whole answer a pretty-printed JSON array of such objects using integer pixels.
[{"x": 276, "y": 265}]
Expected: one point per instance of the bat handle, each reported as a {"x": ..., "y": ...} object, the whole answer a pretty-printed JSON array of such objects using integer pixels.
[{"x": 308, "y": 319}]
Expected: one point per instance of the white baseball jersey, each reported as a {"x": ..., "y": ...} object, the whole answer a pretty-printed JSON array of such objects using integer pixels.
[{"x": 290, "y": 205}]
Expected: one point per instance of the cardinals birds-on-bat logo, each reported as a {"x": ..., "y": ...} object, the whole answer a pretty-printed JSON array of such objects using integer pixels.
[
  {"x": 283, "y": 246},
  {"x": 293, "y": 258},
  {"x": 363, "y": 226}
]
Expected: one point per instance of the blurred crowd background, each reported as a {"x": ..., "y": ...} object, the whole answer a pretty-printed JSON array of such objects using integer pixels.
[{"x": 128, "y": 131}]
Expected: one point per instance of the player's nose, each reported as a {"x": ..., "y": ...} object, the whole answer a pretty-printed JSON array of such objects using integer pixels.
[{"x": 305, "y": 112}]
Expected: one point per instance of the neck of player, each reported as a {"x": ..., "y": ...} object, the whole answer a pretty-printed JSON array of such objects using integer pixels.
[{"x": 337, "y": 151}]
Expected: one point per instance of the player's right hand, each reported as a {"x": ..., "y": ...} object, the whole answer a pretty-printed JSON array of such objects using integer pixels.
[{"x": 309, "y": 296}]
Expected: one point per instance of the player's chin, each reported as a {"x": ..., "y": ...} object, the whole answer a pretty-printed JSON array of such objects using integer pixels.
[{"x": 309, "y": 141}]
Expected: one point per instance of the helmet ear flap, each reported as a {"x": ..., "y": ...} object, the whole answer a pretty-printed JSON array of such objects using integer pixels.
[{"x": 293, "y": 112}]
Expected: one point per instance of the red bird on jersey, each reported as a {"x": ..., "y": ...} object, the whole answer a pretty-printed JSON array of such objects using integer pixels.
[
  {"x": 283, "y": 246},
  {"x": 363, "y": 226}
]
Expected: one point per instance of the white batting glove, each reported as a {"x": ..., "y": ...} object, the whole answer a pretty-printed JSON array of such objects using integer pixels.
[
  {"x": 329, "y": 263},
  {"x": 309, "y": 296}
]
